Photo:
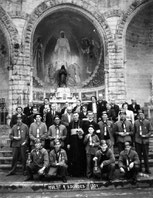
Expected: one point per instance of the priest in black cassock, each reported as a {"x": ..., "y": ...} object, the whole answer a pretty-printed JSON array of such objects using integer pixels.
[{"x": 76, "y": 147}]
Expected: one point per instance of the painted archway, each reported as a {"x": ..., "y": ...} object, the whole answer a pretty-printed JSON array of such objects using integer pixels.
[{"x": 49, "y": 7}]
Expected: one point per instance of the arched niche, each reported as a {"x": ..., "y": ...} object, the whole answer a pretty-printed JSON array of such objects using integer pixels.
[
  {"x": 81, "y": 52},
  {"x": 139, "y": 55}
]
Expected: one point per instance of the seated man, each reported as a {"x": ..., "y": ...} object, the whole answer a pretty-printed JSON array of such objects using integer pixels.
[
  {"x": 129, "y": 162},
  {"x": 38, "y": 161},
  {"x": 58, "y": 161},
  {"x": 105, "y": 160}
]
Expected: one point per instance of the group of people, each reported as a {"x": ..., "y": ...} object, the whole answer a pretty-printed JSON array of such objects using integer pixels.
[{"x": 80, "y": 140}]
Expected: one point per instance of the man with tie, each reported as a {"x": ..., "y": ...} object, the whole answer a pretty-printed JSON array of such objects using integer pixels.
[
  {"x": 142, "y": 132},
  {"x": 57, "y": 131},
  {"x": 19, "y": 136},
  {"x": 106, "y": 130},
  {"x": 123, "y": 130}
]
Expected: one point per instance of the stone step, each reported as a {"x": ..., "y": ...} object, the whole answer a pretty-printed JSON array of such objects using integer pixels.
[
  {"x": 5, "y": 153},
  {"x": 5, "y": 160}
]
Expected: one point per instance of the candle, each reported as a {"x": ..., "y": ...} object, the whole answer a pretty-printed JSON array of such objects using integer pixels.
[
  {"x": 38, "y": 133},
  {"x": 105, "y": 131},
  {"x": 124, "y": 128},
  {"x": 140, "y": 129}
]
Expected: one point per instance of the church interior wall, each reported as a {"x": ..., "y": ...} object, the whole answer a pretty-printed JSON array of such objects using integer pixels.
[
  {"x": 120, "y": 74},
  {"x": 139, "y": 59}
]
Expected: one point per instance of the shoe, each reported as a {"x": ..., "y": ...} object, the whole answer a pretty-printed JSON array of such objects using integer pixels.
[
  {"x": 148, "y": 172},
  {"x": 10, "y": 173},
  {"x": 24, "y": 173},
  {"x": 108, "y": 183},
  {"x": 133, "y": 181},
  {"x": 29, "y": 179},
  {"x": 64, "y": 179}
]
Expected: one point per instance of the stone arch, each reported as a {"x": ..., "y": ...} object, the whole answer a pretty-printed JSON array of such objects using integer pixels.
[
  {"x": 84, "y": 7},
  {"x": 121, "y": 34},
  {"x": 12, "y": 35},
  {"x": 11, "y": 39},
  {"x": 128, "y": 15}
]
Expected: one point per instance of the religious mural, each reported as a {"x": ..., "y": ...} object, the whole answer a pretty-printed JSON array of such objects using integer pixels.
[{"x": 77, "y": 58}]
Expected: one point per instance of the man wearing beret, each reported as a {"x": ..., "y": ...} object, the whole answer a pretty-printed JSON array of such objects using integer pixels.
[
  {"x": 38, "y": 161},
  {"x": 142, "y": 132},
  {"x": 19, "y": 137}
]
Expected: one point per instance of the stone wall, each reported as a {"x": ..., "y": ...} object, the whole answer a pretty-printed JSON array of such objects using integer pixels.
[{"x": 124, "y": 61}]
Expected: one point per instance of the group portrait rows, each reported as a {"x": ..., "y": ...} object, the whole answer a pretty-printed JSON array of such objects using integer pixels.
[{"x": 80, "y": 140}]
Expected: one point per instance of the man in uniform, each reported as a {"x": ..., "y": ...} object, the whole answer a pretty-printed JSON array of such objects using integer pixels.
[
  {"x": 38, "y": 161},
  {"x": 19, "y": 137},
  {"x": 142, "y": 132}
]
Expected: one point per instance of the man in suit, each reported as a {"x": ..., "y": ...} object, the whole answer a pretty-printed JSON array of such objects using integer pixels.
[
  {"x": 19, "y": 111},
  {"x": 135, "y": 108},
  {"x": 28, "y": 109},
  {"x": 67, "y": 117}
]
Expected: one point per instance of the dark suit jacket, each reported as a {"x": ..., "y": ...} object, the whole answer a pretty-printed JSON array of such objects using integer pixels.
[{"x": 134, "y": 109}]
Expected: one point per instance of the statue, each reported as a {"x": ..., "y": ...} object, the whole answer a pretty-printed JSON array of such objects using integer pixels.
[
  {"x": 62, "y": 77},
  {"x": 61, "y": 55},
  {"x": 38, "y": 58}
]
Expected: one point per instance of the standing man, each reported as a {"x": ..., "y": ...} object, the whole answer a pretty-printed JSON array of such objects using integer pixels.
[
  {"x": 91, "y": 121},
  {"x": 57, "y": 131},
  {"x": 38, "y": 130},
  {"x": 19, "y": 137},
  {"x": 142, "y": 132},
  {"x": 106, "y": 130},
  {"x": 135, "y": 108},
  {"x": 67, "y": 117},
  {"x": 19, "y": 110},
  {"x": 123, "y": 131},
  {"x": 76, "y": 147},
  {"x": 93, "y": 106}
]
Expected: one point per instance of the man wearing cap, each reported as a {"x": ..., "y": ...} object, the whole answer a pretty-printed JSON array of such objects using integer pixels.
[
  {"x": 57, "y": 131},
  {"x": 123, "y": 130},
  {"x": 129, "y": 162},
  {"x": 38, "y": 162},
  {"x": 58, "y": 159},
  {"x": 106, "y": 130},
  {"x": 142, "y": 132},
  {"x": 19, "y": 137},
  {"x": 105, "y": 160},
  {"x": 38, "y": 130}
]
